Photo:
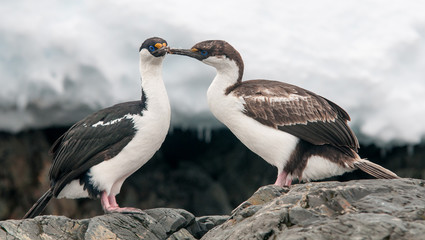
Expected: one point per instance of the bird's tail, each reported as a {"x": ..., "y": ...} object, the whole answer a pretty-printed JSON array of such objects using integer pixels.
[
  {"x": 374, "y": 169},
  {"x": 39, "y": 206}
]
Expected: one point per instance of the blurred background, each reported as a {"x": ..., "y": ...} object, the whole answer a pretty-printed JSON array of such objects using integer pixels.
[{"x": 60, "y": 61}]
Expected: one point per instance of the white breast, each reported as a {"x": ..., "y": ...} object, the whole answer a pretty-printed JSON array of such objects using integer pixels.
[
  {"x": 272, "y": 145},
  {"x": 152, "y": 129}
]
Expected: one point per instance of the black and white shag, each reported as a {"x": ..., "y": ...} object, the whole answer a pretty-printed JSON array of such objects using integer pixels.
[{"x": 95, "y": 156}]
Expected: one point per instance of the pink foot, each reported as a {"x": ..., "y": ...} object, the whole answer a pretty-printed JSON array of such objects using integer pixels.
[
  {"x": 110, "y": 205},
  {"x": 283, "y": 179}
]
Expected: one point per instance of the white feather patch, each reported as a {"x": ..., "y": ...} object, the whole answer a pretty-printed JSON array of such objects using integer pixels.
[
  {"x": 272, "y": 99},
  {"x": 73, "y": 190},
  {"x": 101, "y": 123},
  {"x": 319, "y": 168}
]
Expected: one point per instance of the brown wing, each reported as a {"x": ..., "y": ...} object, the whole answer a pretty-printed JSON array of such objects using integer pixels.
[{"x": 299, "y": 112}]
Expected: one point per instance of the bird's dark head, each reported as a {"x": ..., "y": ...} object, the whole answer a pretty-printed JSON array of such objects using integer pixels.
[
  {"x": 217, "y": 53},
  {"x": 154, "y": 46}
]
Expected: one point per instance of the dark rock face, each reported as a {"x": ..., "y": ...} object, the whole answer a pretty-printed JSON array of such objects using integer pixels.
[
  {"x": 23, "y": 158},
  {"x": 364, "y": 209},
  {"x": 188, "y": 173}
]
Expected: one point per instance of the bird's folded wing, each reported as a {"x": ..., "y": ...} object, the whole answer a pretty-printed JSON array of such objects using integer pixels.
[
  {"x": 299, "y": 112},
  {"x": 97, "y": 138}
]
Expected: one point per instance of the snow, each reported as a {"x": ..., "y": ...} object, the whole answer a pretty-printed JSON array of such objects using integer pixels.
[{"x": 61, "y": 60}]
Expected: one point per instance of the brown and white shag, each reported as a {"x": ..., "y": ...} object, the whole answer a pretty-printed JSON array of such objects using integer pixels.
[{"x": 304, "y": 135}]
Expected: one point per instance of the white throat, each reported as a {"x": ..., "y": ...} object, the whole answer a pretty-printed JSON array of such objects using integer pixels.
[
  {"x": 227, "y": 74},
  {"x": 152, "y": 84}
]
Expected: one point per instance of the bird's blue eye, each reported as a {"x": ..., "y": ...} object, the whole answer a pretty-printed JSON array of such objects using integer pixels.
[
  {"x": 151, "y": 48},
  {"x": 204, "y": 53}
]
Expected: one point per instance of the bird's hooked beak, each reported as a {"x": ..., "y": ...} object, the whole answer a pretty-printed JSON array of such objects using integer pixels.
[{"x": 193, "y": 53}]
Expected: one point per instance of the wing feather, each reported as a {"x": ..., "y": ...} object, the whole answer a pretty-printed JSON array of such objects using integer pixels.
[
  {"x": 84, "y": 145},
  {"x": 299, "y": 112}
]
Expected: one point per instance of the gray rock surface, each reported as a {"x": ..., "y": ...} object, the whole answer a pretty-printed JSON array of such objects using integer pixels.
[
  {"x": 161, "y": 223},
  {"x": 364, "y": 209},
  {"x": 182, "y": 234}
]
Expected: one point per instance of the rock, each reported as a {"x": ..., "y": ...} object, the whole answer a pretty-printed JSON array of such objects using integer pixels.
[
  {"x": 124, "y": 226},
  {"x": 203, "y": 224},
  {"x": 161, "y": 223},
  {"x": 109, "y": 226},
  {"x": 182, "y": 234},
  {"x": 171, "y": 219},
  {"x": 261, "y": 196},
  {"x": 363, "y": 209}
]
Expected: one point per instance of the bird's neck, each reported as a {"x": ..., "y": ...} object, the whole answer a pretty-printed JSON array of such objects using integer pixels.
[
  {"x": 228, "y": 77},
  {"x": 229, "y": 74},
  {"x": 153, "y": 88}
]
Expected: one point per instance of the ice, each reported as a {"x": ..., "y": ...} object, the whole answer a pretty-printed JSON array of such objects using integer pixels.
[{"x": 61, "y": 60}]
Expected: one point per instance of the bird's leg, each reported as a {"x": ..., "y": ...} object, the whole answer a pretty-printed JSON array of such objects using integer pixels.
[
  {"x": 288, "y": 181},
  {"x": 104, "y": 200},
  {"x": 110, "y": 205},
  {"x": 283, "y": 179},
  {"x": 113, "y": 201}
]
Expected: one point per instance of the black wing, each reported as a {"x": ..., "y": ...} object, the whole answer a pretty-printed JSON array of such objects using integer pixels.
[
  {"x": 88, "y": 143},
  {"x": 299, "y": 112}
]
